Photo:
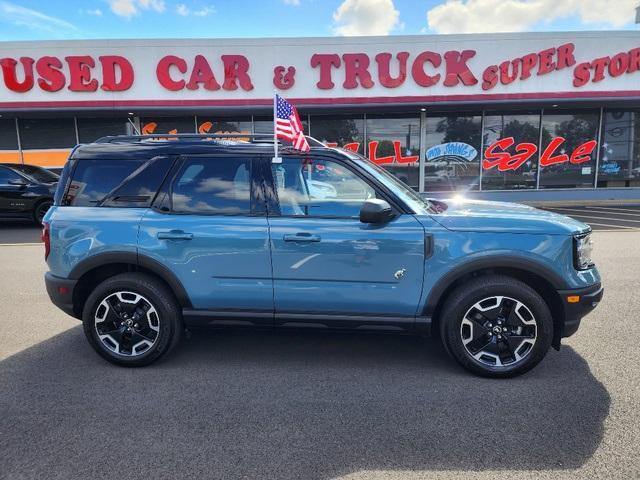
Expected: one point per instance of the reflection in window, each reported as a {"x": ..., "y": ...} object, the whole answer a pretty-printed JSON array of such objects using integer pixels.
[
  {"x": 568, "y": 132},
  {"x": 620, "y": 150},
  {"x": 394, "y": 143},
  {"x": 167, "y": 125},
  {"x": 8, "y": 135},
  {"x": 213, "y": 124},
  {"x": 452, "y": 158},
  {"x": 319, "y": 188},
  {"x": 47, "y": 133},
  {"x": 91, "y": 129},
  {"x": 339, "y": 130},
  {"x": 220, "y": 185},
  {"x": 94, "y": 179},
  {"x": 265, "y": 124},
  {"x": 520, "y": 172}
]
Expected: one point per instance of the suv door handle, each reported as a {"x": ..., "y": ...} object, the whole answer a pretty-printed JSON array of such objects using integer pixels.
[
  {"x": 175, "y": 235},
  {"x": 301, "y": 237}
]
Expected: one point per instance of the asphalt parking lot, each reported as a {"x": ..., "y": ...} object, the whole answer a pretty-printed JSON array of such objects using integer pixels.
[
  {"x": 613, "y": 218},
  {"x": 315, "y": 406}
]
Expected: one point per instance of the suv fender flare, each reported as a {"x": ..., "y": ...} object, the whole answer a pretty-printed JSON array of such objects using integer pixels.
[
  {"x": 132, "y": 258},
  {"x": 484, "y": 263}
]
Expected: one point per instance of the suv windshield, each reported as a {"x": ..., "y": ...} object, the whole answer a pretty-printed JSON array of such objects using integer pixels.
[
  {"x": 38, "y": 174},
  {"x": 418, "y": 204}
]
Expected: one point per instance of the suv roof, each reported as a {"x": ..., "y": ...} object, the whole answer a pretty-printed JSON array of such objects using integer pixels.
[{"x": 176, "y": 144}]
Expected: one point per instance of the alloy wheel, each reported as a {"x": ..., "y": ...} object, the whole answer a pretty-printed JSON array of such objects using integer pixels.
[
  {"x": 499, "y": 331},
  {"x": 127, "y": 323}
]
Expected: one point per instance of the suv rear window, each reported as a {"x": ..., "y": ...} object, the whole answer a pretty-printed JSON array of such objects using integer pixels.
[
  {"x": 215, "y": 185},
  {"x": 116, "y": 183}
]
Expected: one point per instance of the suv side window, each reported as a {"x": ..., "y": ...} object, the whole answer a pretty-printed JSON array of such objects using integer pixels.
[
  {"x": 93, "y": 180},
  {"x": 319, "y": 188},
  {"x": 6, "y": 175},
  {"x": 212, "y": 185}
]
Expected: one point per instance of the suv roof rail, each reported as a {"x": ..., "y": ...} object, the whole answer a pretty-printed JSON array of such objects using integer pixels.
[{"x": 220, "y": 138}]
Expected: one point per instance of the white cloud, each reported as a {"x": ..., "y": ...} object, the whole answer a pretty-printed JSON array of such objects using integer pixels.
[
  {"x": 33, "y": 19},
  {"x": 295, "y": 3},
  {"x": 365, "y": 17},
  {"x": 96, "y": 12},
  {"x": 183, "y": 10},
  {"x": 130, "y": 8},
  {"x": 486, "y": 16}
]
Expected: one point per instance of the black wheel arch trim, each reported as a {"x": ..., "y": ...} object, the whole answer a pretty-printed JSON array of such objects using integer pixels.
[
  {"x": 494, "y": 261},
  {"x": 133, "y": 258}
]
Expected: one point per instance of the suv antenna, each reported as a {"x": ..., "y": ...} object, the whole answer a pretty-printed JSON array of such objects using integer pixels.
[{"x": 135, "y": 129}]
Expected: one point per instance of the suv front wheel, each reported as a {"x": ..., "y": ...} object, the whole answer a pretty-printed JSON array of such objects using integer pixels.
[
  {"x": 132, "y": 319},
  {"x": 496, "y": 326}
]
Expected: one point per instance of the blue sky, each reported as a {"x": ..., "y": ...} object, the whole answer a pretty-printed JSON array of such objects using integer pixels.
[{"x": 69, "y": 19}]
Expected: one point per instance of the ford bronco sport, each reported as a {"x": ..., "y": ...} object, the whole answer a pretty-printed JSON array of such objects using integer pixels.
[{"x": 149, "y": 236}]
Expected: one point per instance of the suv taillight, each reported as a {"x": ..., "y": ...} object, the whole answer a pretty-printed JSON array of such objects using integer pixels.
[{"x": 46, "y": 239}]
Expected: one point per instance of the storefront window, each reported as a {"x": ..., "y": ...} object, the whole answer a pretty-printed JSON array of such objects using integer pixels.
[
  {"x": 339, "y": 131},
  {"x": 8, "y": 136},
  {"x": 47, "y": 133},
  {"x": 510, "y": 151},
  {"x": 172, "y": 125},
  {"x": 215, "y": 124},
  {"x": 568, "y": 149},
  {"x": 452, "y": 156},
  {"x": 620, "y": 150},
  {"x": 394, "y": 143},
  {"x": 265, "y": 124},
  {"x": 91, "y": 129}
]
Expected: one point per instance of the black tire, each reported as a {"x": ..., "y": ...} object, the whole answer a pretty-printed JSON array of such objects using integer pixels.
[
  {"x": 40, "y": 209},
  {"x": 465, "y": 304},
  {"x": 157, "y": 303}
]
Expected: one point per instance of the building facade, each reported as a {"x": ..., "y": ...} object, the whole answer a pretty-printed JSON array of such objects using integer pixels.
[{"x": 509, "y": 116}]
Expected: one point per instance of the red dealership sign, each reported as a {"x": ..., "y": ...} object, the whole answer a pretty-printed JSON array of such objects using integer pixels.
[{"x": 381, "y": 70}]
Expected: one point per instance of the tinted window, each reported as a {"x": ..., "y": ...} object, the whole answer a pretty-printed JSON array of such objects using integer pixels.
[
  {"x": 212, "y": 124},
  {"x": 38, "y": 174},
  {"x": 524, "y": 130},
  {"x": 339, "y": 130},
  {"x": 453, "y": 152},
  {"x": 47, "y": 133},
  {"x": 139, "y": 189},
  {"x": 6, "y": 175},
  {"x": 93, "y": 180},
  {"x": 394, "y": 143},
  {"x": 308, "y": 187},
  {"x": 91, "y": 129},
  {"x": 218, "y": 185},
  {"x": 8, "y": 134},
  {"x": 620, "y": 150},
  {"x": 569, "y": 131},
  {"x": 168, "y": 125}
]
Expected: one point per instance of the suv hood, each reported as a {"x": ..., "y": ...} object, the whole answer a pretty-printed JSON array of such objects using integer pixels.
[{"x": 463, "y": 215}]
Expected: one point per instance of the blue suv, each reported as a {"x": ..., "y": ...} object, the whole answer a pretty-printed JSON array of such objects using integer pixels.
[{"x": 151, "y": 236}]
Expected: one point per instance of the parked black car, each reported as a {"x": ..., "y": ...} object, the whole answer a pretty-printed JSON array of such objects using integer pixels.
[{"x": 26, "y": 191}]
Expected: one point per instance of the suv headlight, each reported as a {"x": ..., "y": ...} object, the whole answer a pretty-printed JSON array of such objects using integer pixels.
[{"x": 583, "y": 246}]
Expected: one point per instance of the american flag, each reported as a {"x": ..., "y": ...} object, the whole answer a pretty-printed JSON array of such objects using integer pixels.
[{"x": 288, "y": 125}]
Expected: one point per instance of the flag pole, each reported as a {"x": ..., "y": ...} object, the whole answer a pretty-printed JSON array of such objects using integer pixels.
[{"x": 275, "y": 134}]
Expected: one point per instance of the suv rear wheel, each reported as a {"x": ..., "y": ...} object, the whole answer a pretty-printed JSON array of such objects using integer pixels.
[
  {"x": 132, "y": 319},
  {"x": 496, "y": 326}
]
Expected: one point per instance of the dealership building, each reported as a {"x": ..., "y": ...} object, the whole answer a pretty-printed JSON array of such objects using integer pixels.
[{"x": 522, "y": 116}]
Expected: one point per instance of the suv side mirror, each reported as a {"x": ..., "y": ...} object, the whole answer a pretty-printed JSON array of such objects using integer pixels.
[
  {"x": 18, "y": 182},
  {"x": 377, "y": 211}
]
